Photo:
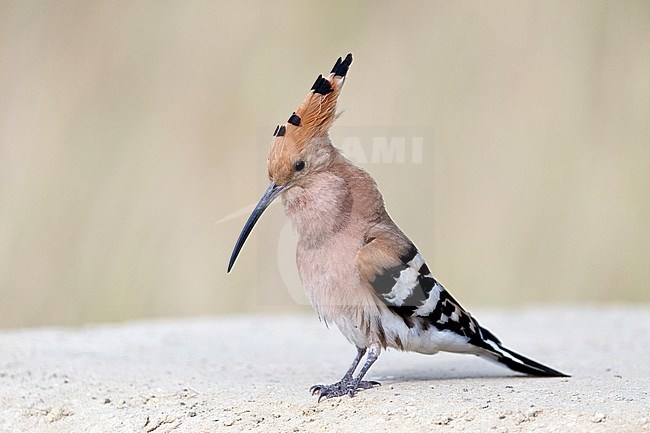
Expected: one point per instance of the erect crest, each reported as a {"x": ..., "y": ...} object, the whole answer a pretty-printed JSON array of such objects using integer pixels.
[{"x": 312, "y": 119}]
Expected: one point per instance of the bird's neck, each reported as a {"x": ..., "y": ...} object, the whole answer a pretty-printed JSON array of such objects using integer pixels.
[
  {"x": 332, "y": 202},
  {"x": 319, "y": 209}
]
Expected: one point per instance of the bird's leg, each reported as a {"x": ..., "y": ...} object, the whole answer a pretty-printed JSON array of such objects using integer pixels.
[
  {"x": 348, "y": 374},
  {"x": 357, "y": 383},
  {"x": 348, "y": 384}
]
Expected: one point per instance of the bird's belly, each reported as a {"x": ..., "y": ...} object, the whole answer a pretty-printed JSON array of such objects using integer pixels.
[
  {"x": 353, "y": 331},
  {"x": 334, "y": 289},
  {"x": 330, "y": 281}
]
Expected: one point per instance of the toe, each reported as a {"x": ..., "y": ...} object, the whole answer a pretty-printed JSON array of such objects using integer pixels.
[{"x": 367, "y": 384}]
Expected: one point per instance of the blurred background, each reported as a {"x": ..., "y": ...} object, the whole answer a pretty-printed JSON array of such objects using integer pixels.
[{"x": 133, "y": 137}]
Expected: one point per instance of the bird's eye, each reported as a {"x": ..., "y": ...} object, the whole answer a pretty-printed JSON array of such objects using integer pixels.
[{"x": 299, "y": 165}]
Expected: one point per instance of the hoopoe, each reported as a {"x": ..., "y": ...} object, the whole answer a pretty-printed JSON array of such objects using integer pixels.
[{"x": 359, "y": 270}]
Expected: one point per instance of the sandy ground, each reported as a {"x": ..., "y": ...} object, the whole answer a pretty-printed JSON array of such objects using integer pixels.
[{"x": 252, "y": 373}]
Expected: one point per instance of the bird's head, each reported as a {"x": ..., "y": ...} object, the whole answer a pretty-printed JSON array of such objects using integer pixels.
[{"x": 301, "y": 146}]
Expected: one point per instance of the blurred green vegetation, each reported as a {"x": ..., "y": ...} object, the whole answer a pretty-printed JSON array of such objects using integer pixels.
[{"x": 128, "y": 129}]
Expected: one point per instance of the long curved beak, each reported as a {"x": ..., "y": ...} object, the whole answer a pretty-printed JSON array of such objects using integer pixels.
[{"x": 271, "y": 194}]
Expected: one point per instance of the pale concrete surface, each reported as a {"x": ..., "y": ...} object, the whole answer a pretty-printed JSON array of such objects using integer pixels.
[{"x": 252, "y": 373}]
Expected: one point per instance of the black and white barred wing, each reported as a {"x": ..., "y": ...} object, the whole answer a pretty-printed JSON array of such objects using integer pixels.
[{"x": 409, "y": 290}]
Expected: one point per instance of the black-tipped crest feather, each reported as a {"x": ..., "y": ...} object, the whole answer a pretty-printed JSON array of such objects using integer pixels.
[
  {"x": 322, "y": 86},
  {"x": 294, "y": 119},
  {"x": 341, "y": 67}
]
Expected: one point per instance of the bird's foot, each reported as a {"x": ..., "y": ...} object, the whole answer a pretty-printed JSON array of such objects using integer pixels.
[{"x": 340, "y": 388}]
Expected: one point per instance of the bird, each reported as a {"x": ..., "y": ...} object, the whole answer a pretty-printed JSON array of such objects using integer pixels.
[{"x": 359, "y": 270}]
